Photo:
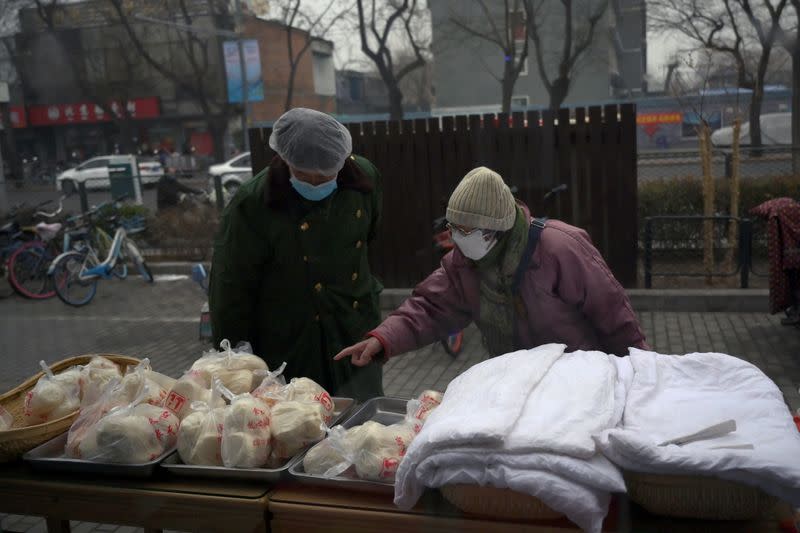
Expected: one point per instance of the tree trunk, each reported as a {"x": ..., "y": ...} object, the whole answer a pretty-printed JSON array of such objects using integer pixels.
[
  {"x": 290, "y": 88},
  {"x": 507, "y": 86},
  {"x": 9, "y": 150},
  {"x": 704, "y": 136},
  {"x": 558, "y": 93},
  {"x": 733, "y": 227},
  {"x": 796, "y": 106},
  {"x": 755, "y": 114},
  {"x": 395, "y": 103},
  {"x": 216, "y": 127}
]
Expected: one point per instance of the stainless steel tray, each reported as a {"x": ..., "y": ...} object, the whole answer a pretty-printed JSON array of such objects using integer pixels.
[
  {"x": 341, "y": 407},
  {"x": 382, "y": 410},
  {"x": 50, "y": 457}
]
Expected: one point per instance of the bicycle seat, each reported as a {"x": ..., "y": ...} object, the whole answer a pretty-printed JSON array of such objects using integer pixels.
[
  {"x": 48, "y": 231},
  {"x": 9, "y": 228}
]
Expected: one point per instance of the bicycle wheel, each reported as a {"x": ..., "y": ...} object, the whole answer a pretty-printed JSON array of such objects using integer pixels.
[
  {"x": 138, "y": 259},
  {"x": 453, "y": 343},
  {"x": 69, "y": 287},
  {"x": 27, "y": 271}
]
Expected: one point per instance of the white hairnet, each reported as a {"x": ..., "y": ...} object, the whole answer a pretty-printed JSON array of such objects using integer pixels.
[{"x": 311, "y": 141}]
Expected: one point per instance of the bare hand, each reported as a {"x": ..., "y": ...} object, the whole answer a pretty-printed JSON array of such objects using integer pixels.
[{"x": 362, "y": 353}]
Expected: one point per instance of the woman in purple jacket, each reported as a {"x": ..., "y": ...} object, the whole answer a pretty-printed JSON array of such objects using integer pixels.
[{"x": 523, "y": 283}]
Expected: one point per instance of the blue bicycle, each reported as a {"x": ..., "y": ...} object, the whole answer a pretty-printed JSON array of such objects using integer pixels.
[{"x": 79, "y": 269}]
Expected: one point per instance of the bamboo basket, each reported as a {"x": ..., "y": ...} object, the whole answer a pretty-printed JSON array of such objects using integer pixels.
[
  {"x": 698, "y": 497},
  {"x": 491, "y": 502},
  {"x": 18, "y": 440}
]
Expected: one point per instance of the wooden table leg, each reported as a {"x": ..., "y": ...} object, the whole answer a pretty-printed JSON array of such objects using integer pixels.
[{"x": 56, "y": 525}]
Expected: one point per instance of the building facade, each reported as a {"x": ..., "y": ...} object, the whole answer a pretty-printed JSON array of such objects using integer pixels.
[{"x": 87, "y": 88}]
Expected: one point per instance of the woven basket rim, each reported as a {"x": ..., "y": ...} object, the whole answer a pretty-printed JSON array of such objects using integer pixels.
[{"x": 63, "y": 364}]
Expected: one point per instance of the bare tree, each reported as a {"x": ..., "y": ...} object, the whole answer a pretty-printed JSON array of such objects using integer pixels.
[
  {"x": 571, "y": 44},
  {"x": 508, "y": 34},
  {"x": 377, "y": 26},
  {"x": 195, "y": 55},
  {"x": 294, "y": 14},
  {"x": 733, "y": 27}
]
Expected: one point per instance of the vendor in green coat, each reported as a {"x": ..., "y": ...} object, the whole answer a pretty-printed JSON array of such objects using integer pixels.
[{"x": 290, "y": 273}]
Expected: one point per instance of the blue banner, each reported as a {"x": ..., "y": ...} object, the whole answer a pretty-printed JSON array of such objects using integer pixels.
[{"x": 252, "y": 60}]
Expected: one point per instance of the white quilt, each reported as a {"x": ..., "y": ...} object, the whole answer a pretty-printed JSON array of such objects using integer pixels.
[
  {"x": 672, "y": 396},
  {"x": 524, "y": 421}
]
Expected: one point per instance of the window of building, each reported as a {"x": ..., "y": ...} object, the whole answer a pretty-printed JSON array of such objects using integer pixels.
[
  {"x": 324, "y": 74},
  {"x": 519, "y": 103},
  {"x": 356, "y": 88}
]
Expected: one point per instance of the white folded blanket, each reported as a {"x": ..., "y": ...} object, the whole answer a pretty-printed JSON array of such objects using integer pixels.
[
  {"x": 524, "y": 421},
  {"x": 672, "y": 396}
]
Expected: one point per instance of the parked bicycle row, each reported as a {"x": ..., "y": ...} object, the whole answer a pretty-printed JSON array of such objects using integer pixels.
[{"x": 68, "y": 258}]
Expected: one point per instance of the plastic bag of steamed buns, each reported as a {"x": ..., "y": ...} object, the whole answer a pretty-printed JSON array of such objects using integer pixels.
[
  {"x": 58, "y": 395},
  {"x": 121, "y": 426},
  {"x": 371, "y": 451},
  {"x": 237, "y": 369}
]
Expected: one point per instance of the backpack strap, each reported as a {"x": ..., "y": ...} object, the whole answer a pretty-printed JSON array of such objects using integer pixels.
[{"x": 534, "y": 234}]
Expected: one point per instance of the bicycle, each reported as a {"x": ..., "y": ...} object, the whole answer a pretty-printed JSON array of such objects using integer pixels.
[
  {"x": 26, "y": 252},
  {"x": 78, "y": 270}
]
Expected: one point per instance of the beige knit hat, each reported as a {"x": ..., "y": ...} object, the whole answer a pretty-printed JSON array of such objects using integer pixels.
[{"x": 482, "y": 200}]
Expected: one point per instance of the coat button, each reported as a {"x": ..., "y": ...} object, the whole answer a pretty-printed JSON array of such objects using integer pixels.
[
  {"x": 305, "y": 259},
  {"x": 354, "y": 276},
  {"x": 316, "y": 318},
  {"x": 359, "y": 213},
  {"x": 359, "y": 244},
  {"x": 304, "y": 226},
  {"x": 318, "y": 287},
  {"x": 355, "y": 304}
]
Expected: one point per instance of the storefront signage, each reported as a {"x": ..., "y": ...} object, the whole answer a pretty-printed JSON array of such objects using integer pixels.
[
  {"x": 87, "y": 112},
  {"x": 659, "y": 118}
]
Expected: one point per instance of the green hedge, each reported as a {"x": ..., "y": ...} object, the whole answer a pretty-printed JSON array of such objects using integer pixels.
[{"x": 684, "y": 196}]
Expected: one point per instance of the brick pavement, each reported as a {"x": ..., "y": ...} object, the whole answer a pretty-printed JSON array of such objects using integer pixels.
[{"x": 160, "y": 321}]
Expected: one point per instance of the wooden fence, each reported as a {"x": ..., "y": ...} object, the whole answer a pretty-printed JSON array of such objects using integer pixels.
[{"x": 592, "y": 151}]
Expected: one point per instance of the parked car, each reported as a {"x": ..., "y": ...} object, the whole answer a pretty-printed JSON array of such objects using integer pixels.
[
  {"x": 776, "y": 129},
  {"x": 94, "y": 173},
  {"x": 234, "y": 172}
]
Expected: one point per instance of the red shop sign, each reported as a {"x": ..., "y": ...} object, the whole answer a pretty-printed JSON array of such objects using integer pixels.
[{"x": 87, "y": 112}]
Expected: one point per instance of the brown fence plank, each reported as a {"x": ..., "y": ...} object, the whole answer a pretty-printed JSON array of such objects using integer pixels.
[
  {"x": 465, "y": 159},
  {"x": 580, "y": 160},
  {"x": 564, "y": 172},
  {"x": 615, "y": 247},
  {"x": 437, "y": 176},
  {"x": 597, "y": 203},
  {"x": 532, "y": 191},
  {"x": 519, "y": 157},
  {"x": 628, "y": 198}
]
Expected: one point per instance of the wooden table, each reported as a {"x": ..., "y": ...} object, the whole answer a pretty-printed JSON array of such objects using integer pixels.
[
  {"x": 162, "y": 502},
  {"x": 189, "y": 504},
  {"x": 296, "y": 508}
]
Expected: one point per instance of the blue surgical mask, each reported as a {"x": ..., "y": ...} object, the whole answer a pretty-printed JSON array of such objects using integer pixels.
[{"x": 315, "y": 193}]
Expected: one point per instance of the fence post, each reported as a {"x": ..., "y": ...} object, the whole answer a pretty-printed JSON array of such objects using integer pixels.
[
  {"x": 84, "y": 196},
  {"x": 745, "y": 257},
  {"x": 648, "y": 253},
  {"x": 219, "y": 193}
]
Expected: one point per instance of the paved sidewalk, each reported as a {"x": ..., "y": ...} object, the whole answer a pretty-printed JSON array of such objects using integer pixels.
[{"x": 160, "y": 321}]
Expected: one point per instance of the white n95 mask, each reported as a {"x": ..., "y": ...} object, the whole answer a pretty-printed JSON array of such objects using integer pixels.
[{"x": 474, "y": 246}]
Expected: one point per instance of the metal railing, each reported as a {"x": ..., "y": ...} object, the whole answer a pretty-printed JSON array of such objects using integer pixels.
[{"x": 693, "y": 244}]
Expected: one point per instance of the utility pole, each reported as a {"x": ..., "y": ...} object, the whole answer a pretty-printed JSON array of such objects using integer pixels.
[{"x": 245, "y": 84}]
